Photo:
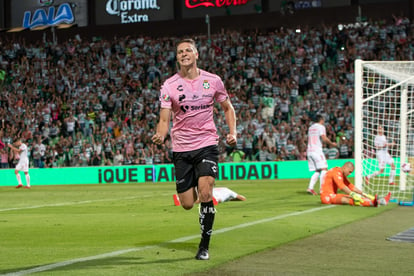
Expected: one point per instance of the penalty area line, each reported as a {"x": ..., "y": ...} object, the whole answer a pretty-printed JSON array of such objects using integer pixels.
[{"x": 136, "y": 249}]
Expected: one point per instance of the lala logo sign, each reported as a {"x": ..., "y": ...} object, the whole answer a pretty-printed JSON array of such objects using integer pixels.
[
  {"x": 45, "y": 2},
  {"x": 48, "y": 17},
  {"x": 191, "y": 4}
]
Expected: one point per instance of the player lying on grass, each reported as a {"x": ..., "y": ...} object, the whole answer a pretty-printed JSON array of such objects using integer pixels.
[
  {"x": 336, "y": 178},
  {"x": 220, "y": 194}
]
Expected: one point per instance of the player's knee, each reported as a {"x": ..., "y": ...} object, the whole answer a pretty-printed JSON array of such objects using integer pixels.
[
  {"x": 187, "y": 206},
  {"x": 325, "y": 199}
]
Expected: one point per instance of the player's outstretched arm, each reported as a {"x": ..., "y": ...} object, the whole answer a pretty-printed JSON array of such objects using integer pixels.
[{"x": 240, "y": 197}]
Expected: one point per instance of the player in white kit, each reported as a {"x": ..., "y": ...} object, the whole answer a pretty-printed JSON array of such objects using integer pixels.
[
  {"x": 23, "y": 165},
  {"x": 189, "y": 97},
  {"x": 220, "y": 195},
  {"x": 316, "y": 159},
  {"x": 383, "y": 157},
  {"x": 223, "y": 194}
]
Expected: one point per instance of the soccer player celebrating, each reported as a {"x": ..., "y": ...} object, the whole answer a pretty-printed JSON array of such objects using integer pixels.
[
  {"x": 383, "y": 157},
  {"x": 23, "y": 165},
  {"x": 337, "y": 179},
  {"x": 316, "y": 159},
  {"x": 188, "y": 97}
]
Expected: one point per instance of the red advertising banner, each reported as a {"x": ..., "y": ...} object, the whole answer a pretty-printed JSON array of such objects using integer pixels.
[{"x": 199, "y": 8}]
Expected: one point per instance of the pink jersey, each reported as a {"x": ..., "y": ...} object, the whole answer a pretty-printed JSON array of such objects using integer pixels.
[
  {"x": 192, "y": 103},
  {"x": 314, "y": 140}
]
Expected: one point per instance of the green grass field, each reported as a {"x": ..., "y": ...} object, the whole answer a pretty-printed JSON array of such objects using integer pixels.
[{"x": 135, "y": 229}]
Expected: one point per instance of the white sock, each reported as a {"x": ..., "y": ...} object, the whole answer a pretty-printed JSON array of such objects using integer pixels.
[
  {"x": 28, "y": 180},
  {"x": 19, "y": 179},
  {"x": 322, "y": 178},
  {"x": 373, "y": 174},
  {"x": 313, "y": 180},
  {"x": 392, "y": 174}
]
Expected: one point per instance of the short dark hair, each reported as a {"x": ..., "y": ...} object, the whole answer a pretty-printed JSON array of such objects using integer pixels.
[
  {"x": 186, "y": 40},
  {"x": 319, "y": 118}
]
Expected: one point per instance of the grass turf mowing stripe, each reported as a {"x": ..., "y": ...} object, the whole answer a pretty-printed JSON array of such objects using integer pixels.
[
  {"x": 183, "y": 239},
  {"x": 73, "y": 203}
]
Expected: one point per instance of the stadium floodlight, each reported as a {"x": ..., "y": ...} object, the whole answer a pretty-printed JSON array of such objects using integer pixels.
[{"x": 384, "y": 97}]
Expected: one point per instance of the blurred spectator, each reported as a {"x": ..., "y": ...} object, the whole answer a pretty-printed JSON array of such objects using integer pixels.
[
  {"x": 118, "y": 158},
  {"x": 237, "y": 155},
  {"x": 55, "y": 97}
]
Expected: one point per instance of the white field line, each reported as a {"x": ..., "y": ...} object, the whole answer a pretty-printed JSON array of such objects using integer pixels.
[
  {"x": 135, "y": 249},
  {"x": 73, "y": 203}
]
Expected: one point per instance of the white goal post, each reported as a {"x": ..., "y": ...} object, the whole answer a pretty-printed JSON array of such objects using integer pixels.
[{"x": 384, "y": 96}]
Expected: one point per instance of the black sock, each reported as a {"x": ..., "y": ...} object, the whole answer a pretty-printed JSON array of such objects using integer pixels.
[{"x": 206, "y": 219}]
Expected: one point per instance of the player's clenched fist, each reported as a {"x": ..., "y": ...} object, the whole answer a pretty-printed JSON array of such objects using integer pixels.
[
  {"x": 157, "y": 139},
  {"x": 231, "y": 139}
]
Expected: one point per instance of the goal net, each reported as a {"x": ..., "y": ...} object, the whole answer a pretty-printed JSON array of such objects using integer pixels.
[{"x": 384, "y": 106}]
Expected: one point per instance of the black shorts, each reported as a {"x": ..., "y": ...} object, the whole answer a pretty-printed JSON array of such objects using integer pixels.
[{"x": 190, "y": 165}]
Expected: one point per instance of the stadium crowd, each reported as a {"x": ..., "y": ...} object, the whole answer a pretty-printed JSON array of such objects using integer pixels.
[{"x": 92, "y": 102}]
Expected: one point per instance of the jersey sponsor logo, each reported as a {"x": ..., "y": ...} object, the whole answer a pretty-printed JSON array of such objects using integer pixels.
[
  {"x": 180, "y": 88},
  {"x": 200, "y": 107},
  {"x": 184, "y": 108},
  {"x": 181, "y": 97}
]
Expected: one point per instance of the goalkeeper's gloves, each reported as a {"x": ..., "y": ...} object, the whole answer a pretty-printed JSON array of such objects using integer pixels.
[
  {"x": 371, "y": 197},
  {"x": 357, "y": 198}
]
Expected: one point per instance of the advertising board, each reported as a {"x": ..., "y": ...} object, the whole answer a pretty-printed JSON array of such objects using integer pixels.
[
  {"x": 45, "y": 13},
  {"x": 133, "y": 11}
]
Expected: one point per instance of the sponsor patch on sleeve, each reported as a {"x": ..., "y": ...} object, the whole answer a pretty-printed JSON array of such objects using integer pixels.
[{"x": 165, "y": 97}]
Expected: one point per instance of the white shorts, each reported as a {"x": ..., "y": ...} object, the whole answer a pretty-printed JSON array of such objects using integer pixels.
[
  {"x": 317, "y": 161},
  {"x": 384, "y": 158},
  {"x": 22, "y": 166}
]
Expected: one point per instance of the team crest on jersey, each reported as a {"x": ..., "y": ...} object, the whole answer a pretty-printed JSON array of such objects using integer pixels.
[
  {"x": 166, "y": 97},
  {"x": 206, "y": 85}
]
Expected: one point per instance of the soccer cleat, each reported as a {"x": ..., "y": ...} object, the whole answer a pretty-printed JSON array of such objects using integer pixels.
[
  {"x": 19, "y": 186},
  {"x": 311, "y": 192},
  {"x": 26, "y": 187},
  {"x": 387, "y": 198},
  {"x": 366, "y": 179},
  {"x": 202, "y": 254},
  {"x": 176, "y": 200},
  {"x": 392, "y": 183}
]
